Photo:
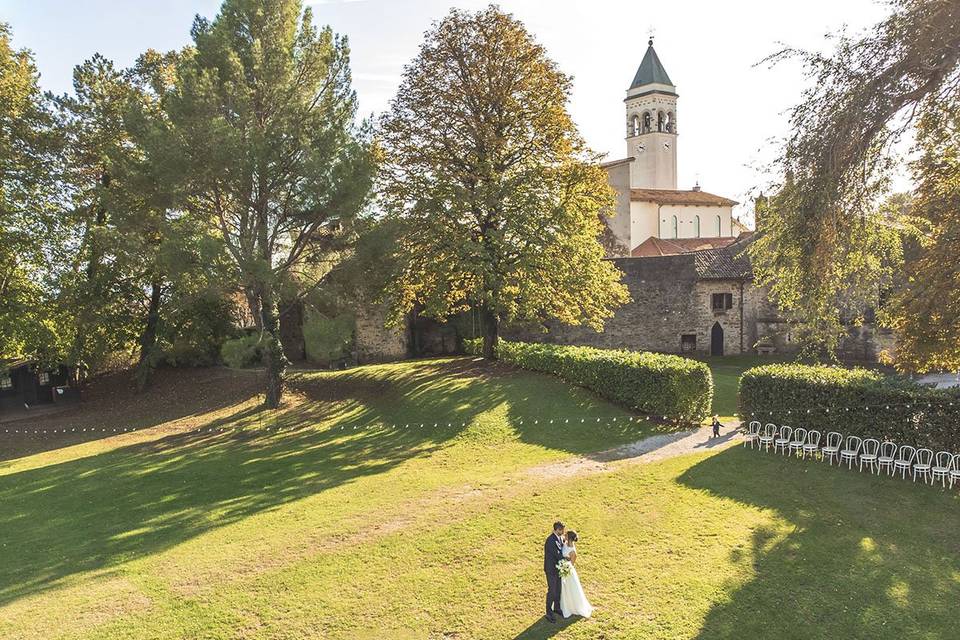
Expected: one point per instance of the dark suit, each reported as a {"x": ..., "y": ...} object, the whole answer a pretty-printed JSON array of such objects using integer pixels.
[{"x": 552, "y": 554}]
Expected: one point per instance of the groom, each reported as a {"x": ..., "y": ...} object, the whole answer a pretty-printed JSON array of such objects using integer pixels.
[{"x": 552, "y": 554}]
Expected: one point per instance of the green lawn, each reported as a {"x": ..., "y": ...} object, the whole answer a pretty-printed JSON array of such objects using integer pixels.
[
  {"x": 726, "y": 379},
  {"x": 323, "y": 530}
]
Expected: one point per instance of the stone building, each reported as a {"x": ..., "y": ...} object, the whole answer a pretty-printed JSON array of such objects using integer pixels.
[
  {"x": 682, "y": 253},
  {"x": 699, "y": 302}
]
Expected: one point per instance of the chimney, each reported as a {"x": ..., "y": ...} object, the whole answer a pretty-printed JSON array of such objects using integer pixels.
[{"x": 696, "y": 187}]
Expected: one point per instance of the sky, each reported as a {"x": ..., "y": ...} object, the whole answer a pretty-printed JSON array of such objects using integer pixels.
[{"x": 731, "y": 110}]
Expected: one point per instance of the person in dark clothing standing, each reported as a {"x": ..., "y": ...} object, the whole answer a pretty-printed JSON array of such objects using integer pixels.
[
  {"x": 552, "y": 554},
  {"x": 716, "y": 426}
]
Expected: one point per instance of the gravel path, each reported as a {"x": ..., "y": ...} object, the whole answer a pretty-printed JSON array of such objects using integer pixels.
[{"x": 649, "y": 449}]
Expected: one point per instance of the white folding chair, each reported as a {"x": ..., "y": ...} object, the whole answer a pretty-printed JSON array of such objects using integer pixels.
[
  {"x": 869, "y": 453},
  {"x": 812, "y": 445},
  {"x": 922, "y": 464},
  {"x": 832, "y": 448},
  {"x": 767, "y": 436},
  {"x": 850, "y": 451},
  {"x": 904, "y": 460},
  {"x": 888, "y": 452},
  {"x": 751, "y": 434},
  {"x": 941, "y": 467},
  {"x": 955, "y": 470},
  {"x": 797, "y": 441},
  {"x": 783, "y": 440}
]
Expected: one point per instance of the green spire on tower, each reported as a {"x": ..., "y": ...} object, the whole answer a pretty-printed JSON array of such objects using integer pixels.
[{"x": 651, "y": 70}]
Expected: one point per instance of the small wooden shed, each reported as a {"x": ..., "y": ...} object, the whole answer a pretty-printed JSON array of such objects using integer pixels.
[{"x": 25, "y": 383}]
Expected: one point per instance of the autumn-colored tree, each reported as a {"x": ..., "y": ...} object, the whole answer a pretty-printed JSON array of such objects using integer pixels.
[
  {"x": 926, "y": 313},
  {"x": 826, "y": 244},
  {"x": 496, "y": 192}
]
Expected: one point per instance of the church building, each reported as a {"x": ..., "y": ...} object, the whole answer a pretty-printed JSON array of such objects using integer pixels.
[{"x": 652, "y": 215}]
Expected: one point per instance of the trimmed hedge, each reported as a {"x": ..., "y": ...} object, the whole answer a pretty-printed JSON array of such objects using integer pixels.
[
  {"x": 661, "y": 386},
  {"x": 852, "y": 401}
]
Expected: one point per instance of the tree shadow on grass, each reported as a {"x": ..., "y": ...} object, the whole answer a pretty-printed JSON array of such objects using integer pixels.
[
  {"x": 97, "y": 512},
  {"x": 176, "y": 395},
  {"x": 583, "y": 423},
  {"x": 867, "y": 556}
]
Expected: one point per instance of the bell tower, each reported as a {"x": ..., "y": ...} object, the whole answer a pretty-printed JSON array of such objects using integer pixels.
[{"x": 651, "y": 106}]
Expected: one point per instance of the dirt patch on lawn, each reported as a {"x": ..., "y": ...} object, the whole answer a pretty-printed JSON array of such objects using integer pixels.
[{"x": 110, "y": 406}]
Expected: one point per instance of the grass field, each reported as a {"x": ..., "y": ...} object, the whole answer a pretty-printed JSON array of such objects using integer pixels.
[
  {"x": 322, "y": 530},
  {"x": 726, "y": 372}
]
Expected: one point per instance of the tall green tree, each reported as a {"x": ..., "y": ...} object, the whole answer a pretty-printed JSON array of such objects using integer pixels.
[
  {"x": 176, "y": 257},
  {"x": 95, "y": 269},
  {"x": 30, "y": 147},
  {"x": 496, "y": 191},
  {"x": 827, "y": 245},
  {"x": 130, "y": 245},
  {"x": 271, "y": 155}
]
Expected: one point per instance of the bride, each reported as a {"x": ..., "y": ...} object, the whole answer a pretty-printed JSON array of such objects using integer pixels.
[{"x": 572, "y": 599}]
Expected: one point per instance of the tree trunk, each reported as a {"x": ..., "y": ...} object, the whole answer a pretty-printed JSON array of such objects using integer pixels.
[
  {"x": 90, "y": 294},
  {"x": 148, "y": 338},
  {"x": 253, "y": 304},
  {"x": 491, "y": 333},
  {"x": 273, "y": 357}
]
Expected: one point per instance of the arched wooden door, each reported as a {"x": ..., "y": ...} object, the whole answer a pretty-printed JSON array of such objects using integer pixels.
[{"x": 716, "y": 340}]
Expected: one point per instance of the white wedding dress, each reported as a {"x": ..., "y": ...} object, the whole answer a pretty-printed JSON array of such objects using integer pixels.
[{"x": 573, "y": 601}]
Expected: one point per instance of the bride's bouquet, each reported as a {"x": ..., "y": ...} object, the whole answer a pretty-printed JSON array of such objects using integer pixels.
[{"x": 564, "y": 567}]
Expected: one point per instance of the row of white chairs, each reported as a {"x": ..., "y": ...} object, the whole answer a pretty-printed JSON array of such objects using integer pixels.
[{"x": 869, "y": 452}]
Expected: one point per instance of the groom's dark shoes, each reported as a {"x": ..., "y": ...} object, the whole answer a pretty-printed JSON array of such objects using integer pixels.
[{"x": 551, "y": 619}]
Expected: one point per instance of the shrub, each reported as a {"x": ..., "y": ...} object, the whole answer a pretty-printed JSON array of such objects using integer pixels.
[
  {"x": 242, "y": 352},
  {"x": 327, "y": 339},
  {"x": 661, "y": 386},
  {"x": 194, "y": 329},
  {"x": 852, "y": 401}
]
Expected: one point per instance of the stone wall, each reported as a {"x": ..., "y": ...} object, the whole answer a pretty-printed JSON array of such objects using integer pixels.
[
  {"x": 669, "y": 302},
  {"x": 671, "y": 308},
  {"x": 375, "y": 342},
  {"x": 730, "y": 320},
  {"x": 866, "y": 343},
  {"x": 764, "y": 324}
]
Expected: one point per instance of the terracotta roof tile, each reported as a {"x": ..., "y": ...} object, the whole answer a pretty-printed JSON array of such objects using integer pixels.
[
  {"x": 614, "y": 163},
  {"x": 669, "y": 196},
  {"x": 728, "y": 263},
  {"x": 664, "y": 247}
]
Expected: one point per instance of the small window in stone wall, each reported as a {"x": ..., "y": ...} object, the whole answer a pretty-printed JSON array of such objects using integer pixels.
[
  {"x": 44, "y": 377},
  {"x": 722, "y": 301},
  {"x": 6, "y": 382},
  {"x": 688, "y": 343}
]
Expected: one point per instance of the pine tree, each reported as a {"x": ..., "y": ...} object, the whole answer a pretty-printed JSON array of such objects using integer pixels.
[
  {"x": 271, "y": 157},
  {"x": 30, "y": 147}
]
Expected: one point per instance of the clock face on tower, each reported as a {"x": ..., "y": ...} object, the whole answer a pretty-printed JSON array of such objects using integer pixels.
[
  {"x": 641, "y": 148},
  {"x": 666, "y": 145}
]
